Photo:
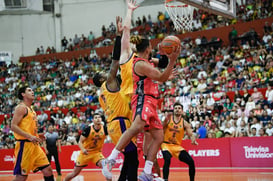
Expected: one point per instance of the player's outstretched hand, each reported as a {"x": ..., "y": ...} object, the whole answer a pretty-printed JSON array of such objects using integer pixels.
[
  {"x": 193, "y": 140},
  {"x": 41, "y": 136},
  {"x": 174, "y": 74},
  {"x": 174, "y": 55},
  {"x": 34, "y": 139},
  {"x": 132, "y": 4},
  {"x": 119, "y": 25}
]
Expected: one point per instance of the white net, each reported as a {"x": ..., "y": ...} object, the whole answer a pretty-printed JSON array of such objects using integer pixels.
[{"x": 181, "y": 14}]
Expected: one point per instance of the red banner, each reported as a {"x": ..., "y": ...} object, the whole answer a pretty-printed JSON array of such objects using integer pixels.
[
  {"x": 252, "y": 152},
  {"x": 6, "y": 159},
  {"x": 213, "y": 152},
  {"x": 221, "y": 152}
]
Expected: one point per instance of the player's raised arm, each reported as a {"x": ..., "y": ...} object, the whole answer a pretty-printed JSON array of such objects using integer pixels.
[
  {"x": 145, "y": 69},
  {"x": 126, "y": 50},
  {"x": 111, "y": 81}
]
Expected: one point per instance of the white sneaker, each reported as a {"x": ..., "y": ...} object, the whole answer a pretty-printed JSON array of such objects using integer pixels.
[
  {"x": 105, "y": 171},
  {"x": 145, "y": 177},
  {"x": 157, "y": 178},
  {"x": 111, "y": 163}
]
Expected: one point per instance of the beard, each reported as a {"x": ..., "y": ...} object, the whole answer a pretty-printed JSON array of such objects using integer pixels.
[{"x": 177, "y": 114}]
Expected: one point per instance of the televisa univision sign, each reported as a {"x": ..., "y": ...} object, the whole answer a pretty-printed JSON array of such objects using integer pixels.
[{"x": 252, "y": 152}]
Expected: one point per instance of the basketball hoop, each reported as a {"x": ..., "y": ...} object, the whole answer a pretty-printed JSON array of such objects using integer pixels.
[{"x": 181, "y": 14}]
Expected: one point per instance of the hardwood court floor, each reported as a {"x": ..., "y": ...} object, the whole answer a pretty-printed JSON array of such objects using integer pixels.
[{"x": 175, "y": 175}]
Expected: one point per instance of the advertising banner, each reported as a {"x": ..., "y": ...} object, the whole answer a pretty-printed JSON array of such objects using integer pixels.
[
  {"x": 6, "y": 159},
  {"x": 5, "y": 56},
  {"x": 221, "y": 152},
  {"x": 252, "y": 152},
  {"x": 211, "y": 152}
]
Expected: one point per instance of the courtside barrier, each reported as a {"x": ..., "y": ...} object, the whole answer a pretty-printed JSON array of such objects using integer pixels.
[{"x": 213, "y": 152}]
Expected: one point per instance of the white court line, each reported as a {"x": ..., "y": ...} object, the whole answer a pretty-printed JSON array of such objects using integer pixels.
[
  {"x": 172, "y": 168},
  {"x": 266, "y": 173}
]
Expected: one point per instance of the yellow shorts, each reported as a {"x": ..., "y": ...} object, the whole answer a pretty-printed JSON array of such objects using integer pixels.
[
  {"x": 173, "y": 149},
  {"x": 29, "y": 156},
  {"x": 116, "y": 128},
  {"x": 93, "y": 157}
]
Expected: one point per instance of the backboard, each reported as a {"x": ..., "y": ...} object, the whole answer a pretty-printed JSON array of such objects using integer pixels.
[{"x": 225, "y": 8}]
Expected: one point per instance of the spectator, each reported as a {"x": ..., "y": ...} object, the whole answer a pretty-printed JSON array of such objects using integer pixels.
[
  {"x": 91, "y": 38},
  {"x": 233, "y": 34},
  {"x": 112, "y": 28},
  {"x": 250, "y": 105},
  {"x": 246, "y": 95},
  {"x": 268, "y": 110},
  {"x": 269, "y": 129},
  {"x": 267, "y": 27},
  {"x": 229, "y": 129},
  {"x": 43, "y": 117},
  {"x": 68, "y": 118},
  {"x": 202, "y": 132},
  {"x": 266, "y": 38},
  {"x": 38, "y": 52},
  {"x": 76, "y": 40},
  {"x": 253, "y": 132},
  {"x": 42, "y": 51},
  {"x": 195, "y": 122},
  {"x": 265, "y": 118},
  {"x": 64, "y": 43},
  {"x": 256, "y": 95},
  {"x": 256, "y": 124},
  {"x": 262, "y": 132},
  {"x": 269, "y": 96},
  {"x": 48, "y": 50},
  {"x": 242, "y": 129},
  {"x": 71, "y": 139}
]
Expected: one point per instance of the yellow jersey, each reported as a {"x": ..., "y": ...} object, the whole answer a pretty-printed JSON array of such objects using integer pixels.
[
  {"x": 174, "y": 132},
  {"x": 126, "y": 76},
  {"x": 94, "y": 138},
  {"x": 114, "y": 104},
  {"x": 118, "y": 103},
  {"x": 28, "y": 124}
]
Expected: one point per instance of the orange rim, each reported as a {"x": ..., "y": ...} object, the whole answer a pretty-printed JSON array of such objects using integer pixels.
[
  {"x": 173, "y": 6},
  {"x": 167, "y": 1}
]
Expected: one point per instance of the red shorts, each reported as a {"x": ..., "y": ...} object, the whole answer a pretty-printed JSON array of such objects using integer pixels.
[{"x": 145, "y": 106}]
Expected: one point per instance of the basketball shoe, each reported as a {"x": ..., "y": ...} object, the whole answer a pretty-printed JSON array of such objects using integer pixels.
[
  {"x": 107, "y": 167},
  {"x": 145, "y": 177}
]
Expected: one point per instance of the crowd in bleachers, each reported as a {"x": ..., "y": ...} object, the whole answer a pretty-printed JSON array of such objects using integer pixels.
[
  {"x": 202, "y": 20},
  {"x": 206, "y": 74}
]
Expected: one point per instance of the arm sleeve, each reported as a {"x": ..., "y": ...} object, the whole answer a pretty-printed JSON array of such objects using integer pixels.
[
  {"x": 163, "y": 61},
  {"x": 105, "y": 130},
  {"x": 117, "y": 48},
  {"x": 86, "y": 131}
]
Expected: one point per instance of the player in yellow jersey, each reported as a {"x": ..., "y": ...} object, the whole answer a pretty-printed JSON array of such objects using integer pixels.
[
  {"x": 28, "y": 153},
  {"x": 115, "y": 95},
  {"x": 90, "y": 143},
  {"x": 174, "y": 126}
]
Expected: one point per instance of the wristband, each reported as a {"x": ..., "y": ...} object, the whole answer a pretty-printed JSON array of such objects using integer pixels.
[{"x": 117, "y": 48}]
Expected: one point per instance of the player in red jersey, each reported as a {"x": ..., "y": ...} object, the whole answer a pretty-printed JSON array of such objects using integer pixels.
[{"x": 144, "y": 103}]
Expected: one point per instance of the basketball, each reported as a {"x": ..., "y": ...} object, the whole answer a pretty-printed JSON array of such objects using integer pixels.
[{"x": 170, "y": 43}]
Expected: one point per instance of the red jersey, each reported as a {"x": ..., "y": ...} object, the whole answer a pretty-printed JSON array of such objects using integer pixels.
[{"x": 144, "y": 85}]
